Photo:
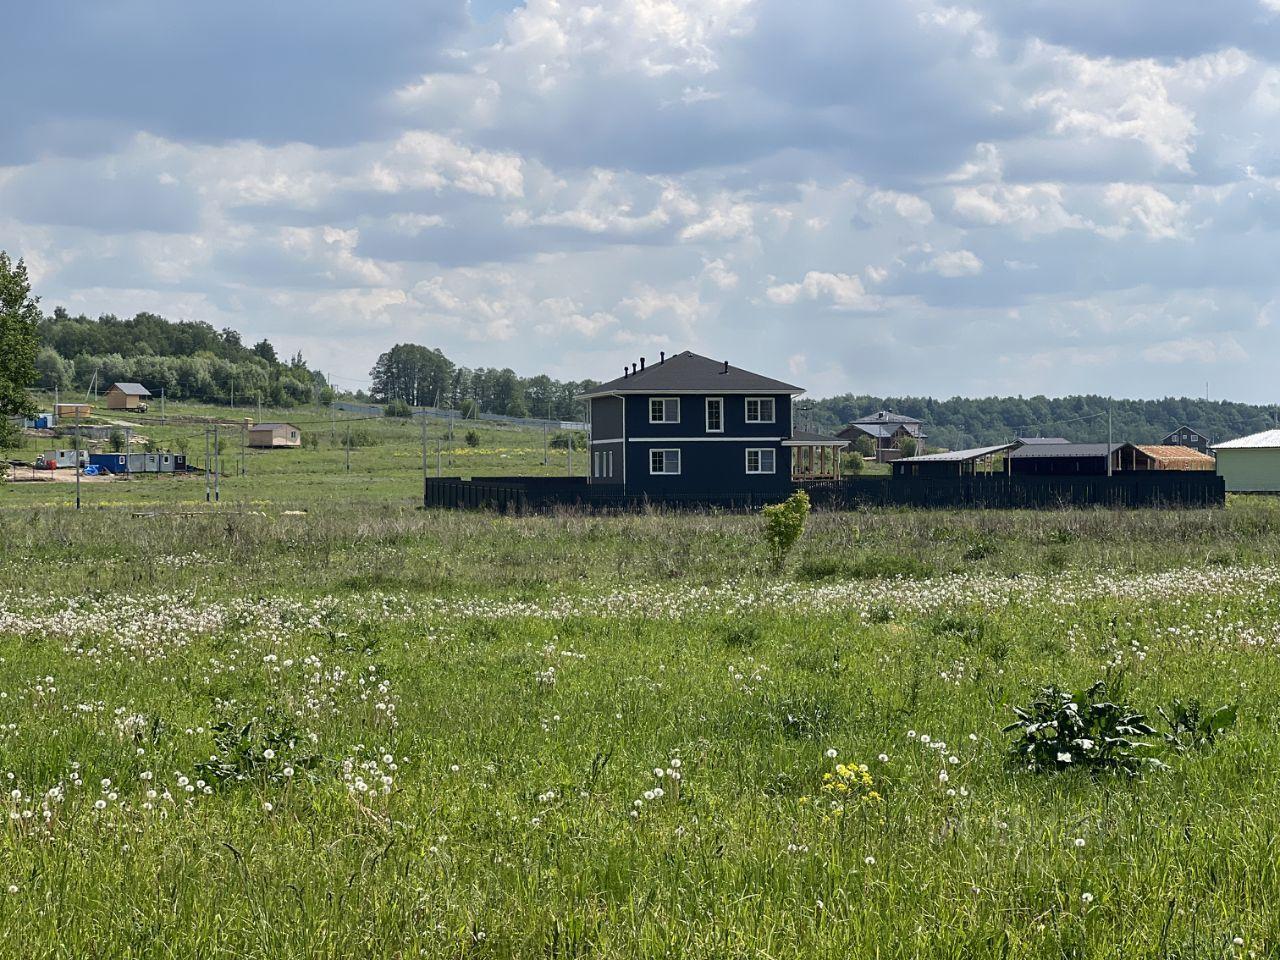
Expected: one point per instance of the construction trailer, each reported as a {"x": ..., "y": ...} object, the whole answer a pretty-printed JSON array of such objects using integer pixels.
[{"x": 165, "y": 462}]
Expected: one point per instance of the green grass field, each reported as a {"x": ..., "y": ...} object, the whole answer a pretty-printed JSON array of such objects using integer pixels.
[{"x": 375, "y": 731}]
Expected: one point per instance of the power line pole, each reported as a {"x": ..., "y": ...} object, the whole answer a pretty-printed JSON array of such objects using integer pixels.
[
  {"x": 424, "y": 453},
  {"x": 570, "y": 455},
  {"x": 208, "y": 488},
  {"x": 77, "y": 455},
  {"x": 162, "y": 416},
  {"x": 128, "y": 461},
  {"x": 217, "y": 465},
  {"x": 439, "y": 458},
  {"x": 1109, "y": 436},
  {"x": 348, "y": 448},
  {"x": 243, "y": 431}
]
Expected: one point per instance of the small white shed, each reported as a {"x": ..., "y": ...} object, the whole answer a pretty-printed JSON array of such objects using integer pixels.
[{"x": 1250, "y": 464}]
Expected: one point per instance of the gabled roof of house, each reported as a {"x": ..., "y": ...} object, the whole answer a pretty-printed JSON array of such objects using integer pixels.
[
  {"x": 1202, "y": 436},
  {"x": 882, "y": 430},
  {"x": 1026, "y": 440},
  {"x": 1266, "y": 440},
  {"x": 272, "y": 426},
  {"x": 1040, "y": 451},
  {"x": 690, "y": 373},
  {"x": 885, "y": 416},
  {"x": 130, "y": 389}
]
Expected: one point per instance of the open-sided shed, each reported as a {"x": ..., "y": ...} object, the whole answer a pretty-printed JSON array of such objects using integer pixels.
[{"x": 953, "y": 463}]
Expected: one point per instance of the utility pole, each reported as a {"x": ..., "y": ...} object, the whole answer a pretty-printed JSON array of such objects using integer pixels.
[
  {"x": 259, "y": 406},
  {"x": 208, "y": 489},
  {"x": 439, "y": 458},
  {"x": 77, "y": 454},
  {"x": 569, "y": 452},
  {"x": 1109, "y": 436},
  {"x": 424, "y": 452},
  {"x": 162, "y": 416},
  {"x": 128, "y": 461},
  {"x": 348, "y": 448},
  {"x": 243, "y": 431},
  {"x": 217, "y": 466}
]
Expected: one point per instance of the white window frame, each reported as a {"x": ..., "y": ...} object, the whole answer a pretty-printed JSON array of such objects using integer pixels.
[
  {"x": 760, "y": 452},
  {"x": 664, "y": 401},
  {"x": 665, "y": 451},
  {"x": 773, "y": 409},
  {"x": 719, "y": 401}
]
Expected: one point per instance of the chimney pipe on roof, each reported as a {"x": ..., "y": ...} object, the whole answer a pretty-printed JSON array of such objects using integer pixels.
[
  {"x": 642, "y": 363},
  {"x": 633, "y": 368},
  {"x": 662, "y": 356},
  {"x": 624, "y": 371},
  {"x": 726, "y": 366}
]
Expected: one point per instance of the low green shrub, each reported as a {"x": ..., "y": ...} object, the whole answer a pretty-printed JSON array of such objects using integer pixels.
[
  {"x": 1086, "y": 730},
  {"x": 784, "y": 525},
  {"x": 1191, "y": 727}
]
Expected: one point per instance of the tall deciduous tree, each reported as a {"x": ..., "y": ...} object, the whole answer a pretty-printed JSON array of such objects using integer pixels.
[{"x": 19, "y": 342}]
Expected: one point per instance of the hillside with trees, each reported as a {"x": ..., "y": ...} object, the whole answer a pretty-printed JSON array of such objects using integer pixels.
[
  {"x": 187, "y": 359},
  {"x": 961, "y": 422}
]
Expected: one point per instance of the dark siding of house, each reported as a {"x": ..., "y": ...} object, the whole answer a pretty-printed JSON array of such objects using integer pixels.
[
  {"x": 606, "y": 418},
  {"x": 711, "y": 464}
]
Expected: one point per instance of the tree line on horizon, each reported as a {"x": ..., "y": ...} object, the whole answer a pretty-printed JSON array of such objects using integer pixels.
[
  {"x": 961, "y": 422},
  {"x": 421, "y": 376}
]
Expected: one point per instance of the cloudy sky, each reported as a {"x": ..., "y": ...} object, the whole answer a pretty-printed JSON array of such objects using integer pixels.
[{"x": 1003, "y": 196}]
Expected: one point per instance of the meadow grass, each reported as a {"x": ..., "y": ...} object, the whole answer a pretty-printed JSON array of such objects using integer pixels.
[{"x": 466, "y": 715}]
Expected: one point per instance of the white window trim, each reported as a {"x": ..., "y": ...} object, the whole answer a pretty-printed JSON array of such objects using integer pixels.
[
  {"x": 773, "y": 407},
  {"x": 761, "y": 451},
  {"x": 719, "y": 400},
  {"x": 664, "y": 400},
  {"x": 666, "y": 473}
]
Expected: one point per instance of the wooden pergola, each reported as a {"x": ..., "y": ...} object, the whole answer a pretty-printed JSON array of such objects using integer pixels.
[{"x": 815, "y": 456}]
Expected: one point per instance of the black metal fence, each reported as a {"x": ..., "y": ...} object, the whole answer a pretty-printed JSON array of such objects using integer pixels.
[
  {"x": 1155, "y": 488},
  {"x": 1164, "y": 488},
  {"x": 534, "y": 494}
]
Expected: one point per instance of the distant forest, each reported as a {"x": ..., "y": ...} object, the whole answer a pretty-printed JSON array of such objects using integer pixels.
[
  {"x": 425, "y": 377},
  {"x": 192, "y": 360},
  {"x": 187, "y": 359},
  {"x": 959, "y": 422}
]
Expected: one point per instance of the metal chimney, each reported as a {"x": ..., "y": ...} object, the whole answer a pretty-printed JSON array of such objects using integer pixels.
[
  {"x": 662, "y": 356},
  {"x": 726, "y": 366},
  {"x": 642, "y": 363}
]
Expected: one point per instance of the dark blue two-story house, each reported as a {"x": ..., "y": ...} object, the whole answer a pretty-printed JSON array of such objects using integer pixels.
[{"x": 690, "y": 426}]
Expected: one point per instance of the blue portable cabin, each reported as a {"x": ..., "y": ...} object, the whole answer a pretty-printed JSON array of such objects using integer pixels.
[
  {"x": 689, "y": 426},
  {"x": 121, "y": 463}
]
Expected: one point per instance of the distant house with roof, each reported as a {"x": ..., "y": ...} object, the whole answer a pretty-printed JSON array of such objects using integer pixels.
[
  {"x": 887, "y": 431},
  {"x": 127, "y": 396},
  {"x": 1186, "y": 436},
  {"x": 690, "y": 426},
  {"x": 268, "y": 435},
  {"x": 1250, "y": 464}
]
